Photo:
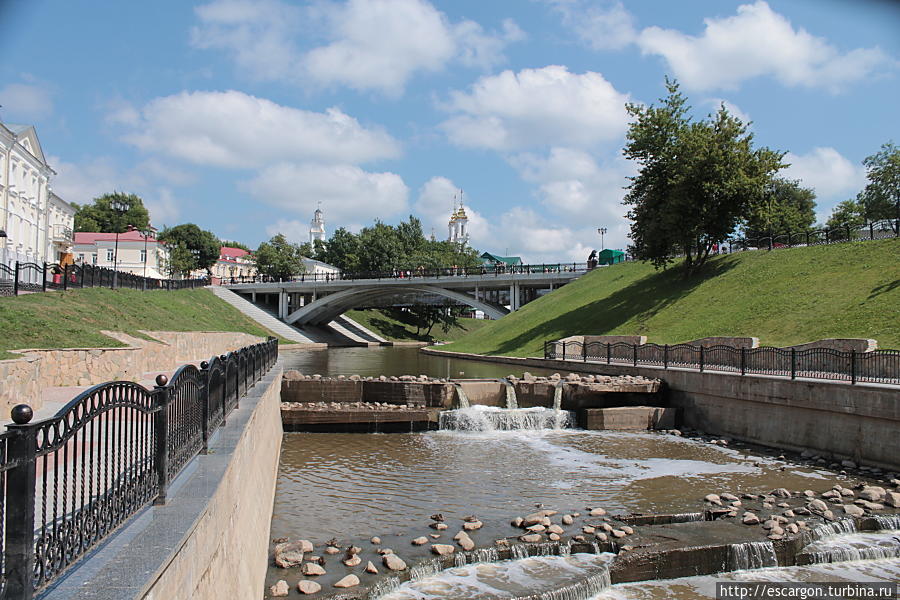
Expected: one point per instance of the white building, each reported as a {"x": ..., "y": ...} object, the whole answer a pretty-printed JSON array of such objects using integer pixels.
[
  {"x": 319, "y": 268},
  {"x": 134, "y": 253},
  {"x": 233, "y": 262},
  {"x": 317, "y": 227},
  {"x": 37, "y": 223},
  {"x": 457, "y": 225}
]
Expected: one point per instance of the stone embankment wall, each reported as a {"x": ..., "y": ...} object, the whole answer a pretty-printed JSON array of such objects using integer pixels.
[
  {"x": 856, "y": 422},
  {"x": 227, "y": 547},
  {"x": 22, "y": 380}
]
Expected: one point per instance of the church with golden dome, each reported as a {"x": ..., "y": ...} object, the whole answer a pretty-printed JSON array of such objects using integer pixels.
[{"x": 458, "y": 221}]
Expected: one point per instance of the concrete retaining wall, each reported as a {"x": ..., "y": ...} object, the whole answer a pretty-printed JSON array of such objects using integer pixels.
[
  {"x": 23, "y": 379},
  {"x": 859, "y": 422}
]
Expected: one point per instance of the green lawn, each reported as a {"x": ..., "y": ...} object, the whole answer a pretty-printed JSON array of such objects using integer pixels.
[
  {"x": 783, "y": 297},
  {"x": 75, "y": 318},
  {"x": 392, "y": 329}
]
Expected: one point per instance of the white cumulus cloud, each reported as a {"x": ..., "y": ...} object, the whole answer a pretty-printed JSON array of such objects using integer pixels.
[
  {"x": 535, "y": 107},
  {"x": 574, "y": 187},
  {"x": 756, "y": 42},
  {"x": 348, "y": 195},
  {"x": 368, "y": 44},
  {"x": 26, "y": 101},
  {"x": 234, "y": 129},
  {"x": 600, "y": 25},
  {"x": 828, "y": 172}
]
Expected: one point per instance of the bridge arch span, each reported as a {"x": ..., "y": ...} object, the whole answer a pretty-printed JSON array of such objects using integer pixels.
[{"x": 325, "y": 309}]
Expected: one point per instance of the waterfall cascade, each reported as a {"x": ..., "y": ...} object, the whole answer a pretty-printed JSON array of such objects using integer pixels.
[
  {"x": 461, "y": 396},
  {"x": 481, "y": 574},
  {"x": 512, "y": 402},
  {"x": 841, "y": 541},
  {"x": 489, "y": 418},
  {"x": 752, "y": 555}
]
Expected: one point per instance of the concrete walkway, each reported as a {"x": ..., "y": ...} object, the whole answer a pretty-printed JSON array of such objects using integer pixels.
[{"x": 259, "y": 315}]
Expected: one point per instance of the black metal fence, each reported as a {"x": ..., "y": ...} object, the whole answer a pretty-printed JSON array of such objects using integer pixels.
[
  {"x": 878, "y": 366},
  {"x": 40, "y": 277},
  {"x": 876, "y": 230},
  {"x": 69, "y": 481}
]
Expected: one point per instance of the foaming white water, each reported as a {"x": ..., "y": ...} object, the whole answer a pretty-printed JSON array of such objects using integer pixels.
[
  {"x": 704, "y": 587},
  {"x": 752, "y": 555},
  {"x": 489, "y": 418},
  {"x": 855, "y": 546},
  {"x": 574, "y": 577}
]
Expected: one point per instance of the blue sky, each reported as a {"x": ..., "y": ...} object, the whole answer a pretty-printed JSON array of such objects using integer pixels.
[{"x": 242, "y": 116}]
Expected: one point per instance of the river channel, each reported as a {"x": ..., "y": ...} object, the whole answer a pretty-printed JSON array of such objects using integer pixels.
[{"x": 351, "y": 487}]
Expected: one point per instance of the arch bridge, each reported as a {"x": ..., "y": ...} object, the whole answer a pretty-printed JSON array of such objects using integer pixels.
[{"x": 317, "y": 300}]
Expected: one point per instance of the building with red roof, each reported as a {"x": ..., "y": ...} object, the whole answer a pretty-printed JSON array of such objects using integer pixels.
[{"x": 134, "y": 252}]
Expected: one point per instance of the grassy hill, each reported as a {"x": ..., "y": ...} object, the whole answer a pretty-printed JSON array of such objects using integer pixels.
[
  {"x": 783, "y": 297},
  {"x": 394, "y": 330},
  {"x": 75, "y": 318}
]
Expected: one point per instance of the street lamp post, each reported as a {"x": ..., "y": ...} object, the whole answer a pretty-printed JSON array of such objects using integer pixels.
[
  {"x": 120, "y": 208},
  {"x": 146, "y": 233},
  {"x": 602, "y": 231}
]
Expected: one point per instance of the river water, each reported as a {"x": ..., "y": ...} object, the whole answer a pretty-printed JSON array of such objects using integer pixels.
[{"x": 352, "y": 487}]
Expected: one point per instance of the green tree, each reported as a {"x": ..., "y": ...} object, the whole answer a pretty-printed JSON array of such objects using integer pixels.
[
  {"x": 99, "y": 216},
  {"x": 382, "y": 248},
  {"x": 784, "y": 208},
  {"x": 233, "y": 244},
  {"x": 880, "y": 199},
  {"x": 696, "y": 182},
  {"x": 278, "y": 258},
  {"x": 847, "y": 213},
  {"x": 342, "y": 251},
  {"x": 190, "y": 248}
]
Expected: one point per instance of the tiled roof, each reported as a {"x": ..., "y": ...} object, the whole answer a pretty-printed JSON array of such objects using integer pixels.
[{"x": 229, "y": 252}]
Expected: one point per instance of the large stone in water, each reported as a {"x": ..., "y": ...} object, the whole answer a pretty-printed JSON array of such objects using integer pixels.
[
  {"x": 531, "y": 538},
  {"x": 872, "y": 493},
  {"x": 305, "y": 586},
  {"x": 854, "y": 511},
  {"x": 286, "y": 558},
  {"x": 473, "y": 525},
  {"x": 817, "y": 506},
  {"x": 279, "y": 589},
  {"x": 466, "y": 543},
  {"x": 353, "y": 561},
  {"x": 892, "y": 499},
  {"x": 567, "y": 520},
  {"x": 370, "y": 568},
  {"x": 713, "y": 499},
  {"x": 311, "y": 569},
  {"x": 750, "y": 519},
  {"x": 442, "y": 549},
  {"x": 393, "y": 562},
  {"x": 598, "y": 512},
  {"x": 348, "y": 582},
  {"x": 556, "y": 529},
  {"x": 420, "y": 541}
]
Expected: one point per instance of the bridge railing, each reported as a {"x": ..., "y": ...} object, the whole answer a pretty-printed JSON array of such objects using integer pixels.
[
  {"x": 877, "y": 366},
  {"x": 421, "y": 273},
  {"x": 69, "y": 481}
]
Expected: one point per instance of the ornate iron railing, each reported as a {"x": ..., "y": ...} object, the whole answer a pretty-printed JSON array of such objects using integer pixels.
[
  {"x": 877, "y": 366},
  {"x": 40, "y": 277},
  {"x": 69, "y": 481}
]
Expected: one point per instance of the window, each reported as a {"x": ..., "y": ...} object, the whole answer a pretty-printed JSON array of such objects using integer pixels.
[
  {"x": 109, "y": 255},
  {"x": 93, "y": 259},
  {"x": 143, "y": 256},
  {"x": 81, "y": 258}
]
